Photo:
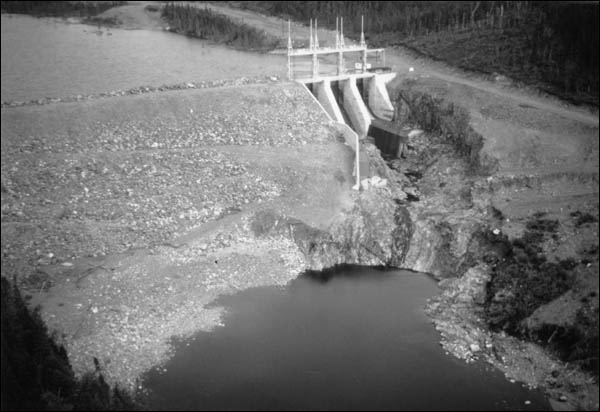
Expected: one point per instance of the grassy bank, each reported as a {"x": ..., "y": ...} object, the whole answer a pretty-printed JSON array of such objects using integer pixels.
[
  {"x": 58, "y": 8},
  {"x": 208, "y": 25},
  {"x": 550, "y": 45}
]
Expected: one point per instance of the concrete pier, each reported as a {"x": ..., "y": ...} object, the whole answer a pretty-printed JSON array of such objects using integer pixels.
[
  {"x": 325, "y": 96},
  {"x": 355, "y": 107},
  {"x": 378, "y": 99}
]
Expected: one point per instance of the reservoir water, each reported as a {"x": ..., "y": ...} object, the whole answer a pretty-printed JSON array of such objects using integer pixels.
[
  {"x": 359, "y": 341},
  {"x": 47, "y": 57}
]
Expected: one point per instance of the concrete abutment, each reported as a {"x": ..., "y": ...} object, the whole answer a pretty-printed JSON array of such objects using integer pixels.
[{"x": 354, "y": 99}]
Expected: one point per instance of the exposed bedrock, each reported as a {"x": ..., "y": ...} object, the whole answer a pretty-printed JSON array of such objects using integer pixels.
[{"x": 375, "y": 231}]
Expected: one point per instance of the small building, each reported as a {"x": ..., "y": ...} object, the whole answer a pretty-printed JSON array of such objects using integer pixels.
[{"x": 389, "y": 137}]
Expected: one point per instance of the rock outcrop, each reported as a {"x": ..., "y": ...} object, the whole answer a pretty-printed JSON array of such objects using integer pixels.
[{"x": 375, "y": 231}]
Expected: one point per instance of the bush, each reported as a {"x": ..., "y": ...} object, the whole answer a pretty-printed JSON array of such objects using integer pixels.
[
  {"x": 584, "y": 348},
  {"x": 583, "y": 218},
  {"x": 522, "y": 280}
]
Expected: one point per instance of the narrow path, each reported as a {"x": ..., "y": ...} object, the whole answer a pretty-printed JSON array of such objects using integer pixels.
[{"x": 572, "y": 113}]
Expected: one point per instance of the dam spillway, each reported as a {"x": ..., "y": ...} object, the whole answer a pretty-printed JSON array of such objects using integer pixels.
[{"x": 352, "y": 99}]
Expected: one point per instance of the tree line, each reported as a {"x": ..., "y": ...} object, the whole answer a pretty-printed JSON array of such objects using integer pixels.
[{"x": 206, "y": 24}]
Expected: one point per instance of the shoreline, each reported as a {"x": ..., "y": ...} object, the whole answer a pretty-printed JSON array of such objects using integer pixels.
[{"x": 206, "y": 84}]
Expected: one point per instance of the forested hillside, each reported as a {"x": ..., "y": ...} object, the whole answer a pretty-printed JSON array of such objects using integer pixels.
[
  {"x": 208, "y": 25},
  {"x": 552, "y": 45}
]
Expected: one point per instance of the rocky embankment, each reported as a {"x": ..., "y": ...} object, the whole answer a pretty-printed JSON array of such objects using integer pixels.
[
  {"x": 124, "y": 218},
  {"x": 512, "y": 242}
]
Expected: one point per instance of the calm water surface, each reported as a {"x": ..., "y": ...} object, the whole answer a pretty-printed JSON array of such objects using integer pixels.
[
  {"x": 50, "y": 58},
  {"x": 360, "y": 341}
]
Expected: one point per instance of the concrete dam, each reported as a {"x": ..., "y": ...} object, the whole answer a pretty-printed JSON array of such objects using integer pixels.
[{"x": 352, "y": 99}]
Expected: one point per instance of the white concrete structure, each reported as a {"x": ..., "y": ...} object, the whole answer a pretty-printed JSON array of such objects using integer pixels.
[
  {"x": 314, "y": 50},
  {"x": 379, "y": 100},
  {"x": 355, "y": 107},
  {"x": 327, "y": 99},
  {"x": 350, "y": 97}
]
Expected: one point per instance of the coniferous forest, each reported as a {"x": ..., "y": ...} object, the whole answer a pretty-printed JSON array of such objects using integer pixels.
[{"x": 208, "y": 25}]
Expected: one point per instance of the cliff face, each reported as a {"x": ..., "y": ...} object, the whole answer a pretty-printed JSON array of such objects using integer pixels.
[
  {"x": 429, "y": 233},
  {"x": 375, "y": 231},
  {"x": 505, "y": 212}
]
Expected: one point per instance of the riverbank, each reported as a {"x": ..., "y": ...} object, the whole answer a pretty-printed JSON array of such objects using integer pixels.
[
  {"x": 130, "y": 220},
  {"x": 455, "y": 207},
  {"x": 142, "y": 90}
]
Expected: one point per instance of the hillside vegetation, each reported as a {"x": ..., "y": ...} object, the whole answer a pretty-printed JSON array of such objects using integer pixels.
[
  {"x": 205, "y": 24},
  {"x": 551, "y": 45}
]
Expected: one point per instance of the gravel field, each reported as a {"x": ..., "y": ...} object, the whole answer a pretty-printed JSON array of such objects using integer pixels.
[
  {"x": 124, "y": 217},
  {"x": 81, "y": 179}
]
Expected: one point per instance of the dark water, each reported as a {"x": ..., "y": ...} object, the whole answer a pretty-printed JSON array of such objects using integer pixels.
[
  {"x": 52, "y": 58},
  {"x": 360, "y": 341}
]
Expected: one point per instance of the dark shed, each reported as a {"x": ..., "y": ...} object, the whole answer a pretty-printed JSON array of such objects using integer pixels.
[{"x": 389, "y": 137}]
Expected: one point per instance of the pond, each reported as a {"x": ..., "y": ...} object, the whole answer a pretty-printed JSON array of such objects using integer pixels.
[{"x": 357, "y": 341}]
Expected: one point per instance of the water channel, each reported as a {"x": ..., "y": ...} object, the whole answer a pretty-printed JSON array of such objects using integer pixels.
[{"x": 359, "y": 341}]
